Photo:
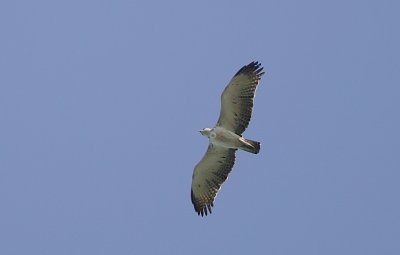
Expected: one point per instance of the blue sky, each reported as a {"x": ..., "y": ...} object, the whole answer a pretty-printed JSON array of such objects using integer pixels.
[{"x": 101, "y": 103}]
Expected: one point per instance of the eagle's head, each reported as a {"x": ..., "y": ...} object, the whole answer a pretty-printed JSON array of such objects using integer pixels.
[{"x": 206, "y": 131}]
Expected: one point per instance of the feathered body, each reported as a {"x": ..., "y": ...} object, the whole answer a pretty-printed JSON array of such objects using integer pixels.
[{"x": 225, "y": 138}]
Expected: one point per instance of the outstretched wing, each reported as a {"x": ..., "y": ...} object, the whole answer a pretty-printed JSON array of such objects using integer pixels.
[
  {"x": 208, "y": 176},
  {"x": 237, "y": 98}
]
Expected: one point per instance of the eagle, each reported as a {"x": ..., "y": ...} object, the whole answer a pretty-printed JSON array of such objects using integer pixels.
[{"x": 226, "y": 137}]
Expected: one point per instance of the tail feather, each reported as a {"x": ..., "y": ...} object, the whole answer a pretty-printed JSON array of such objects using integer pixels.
[{"x": 251, "y": 146}]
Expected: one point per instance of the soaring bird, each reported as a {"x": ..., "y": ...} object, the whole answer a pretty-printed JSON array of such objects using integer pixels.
[{"x": 226, "y": 137}]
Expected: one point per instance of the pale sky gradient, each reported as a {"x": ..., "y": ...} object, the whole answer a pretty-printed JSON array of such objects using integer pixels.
[{"x": 101, "y": 103}]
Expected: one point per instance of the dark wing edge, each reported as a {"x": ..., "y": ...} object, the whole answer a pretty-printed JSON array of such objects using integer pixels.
[
  {"x": 223, "y": 159},
  {"x": 202, "y": 208},
  {"x": 253, "y": 69}
]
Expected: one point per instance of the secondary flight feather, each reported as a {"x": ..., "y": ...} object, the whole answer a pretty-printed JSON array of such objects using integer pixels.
[{"x": 225, "y": 138}]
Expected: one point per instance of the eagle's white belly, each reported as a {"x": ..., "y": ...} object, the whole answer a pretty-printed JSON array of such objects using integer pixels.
[{"x": 221, "y": 137}]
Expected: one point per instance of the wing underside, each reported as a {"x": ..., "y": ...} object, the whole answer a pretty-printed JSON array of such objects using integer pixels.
[
  {"x": 208, "y": 176},
  {"x": 238, "y": 97}
]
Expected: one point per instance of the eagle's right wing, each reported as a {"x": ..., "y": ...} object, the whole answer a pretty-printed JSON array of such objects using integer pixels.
[
  {"x": 208, "y": 176},
  {"x": 237, "y": 98}
]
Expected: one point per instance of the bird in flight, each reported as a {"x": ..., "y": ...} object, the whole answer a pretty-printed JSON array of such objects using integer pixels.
[{"x": 226, "y": 137}]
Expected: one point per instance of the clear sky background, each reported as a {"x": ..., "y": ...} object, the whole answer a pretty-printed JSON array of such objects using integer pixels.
[{"x": 101, "y": 103}]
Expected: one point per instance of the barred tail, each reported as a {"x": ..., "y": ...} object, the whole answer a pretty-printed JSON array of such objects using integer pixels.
[{"x": 250, "y": 146}]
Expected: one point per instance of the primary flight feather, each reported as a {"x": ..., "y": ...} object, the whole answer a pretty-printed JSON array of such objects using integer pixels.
[{"x": 226, "y": 137}]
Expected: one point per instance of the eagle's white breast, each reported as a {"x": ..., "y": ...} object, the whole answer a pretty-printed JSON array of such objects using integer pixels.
[{"x": 222, "y": 137}]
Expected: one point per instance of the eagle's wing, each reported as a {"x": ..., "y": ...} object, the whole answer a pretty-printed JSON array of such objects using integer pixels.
[
  {"x": 237, "y": 98},
  {"x": 208, "y": 176}
]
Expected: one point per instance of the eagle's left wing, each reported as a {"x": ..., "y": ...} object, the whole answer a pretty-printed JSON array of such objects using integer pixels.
[{"x": 208, "y": 176}]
